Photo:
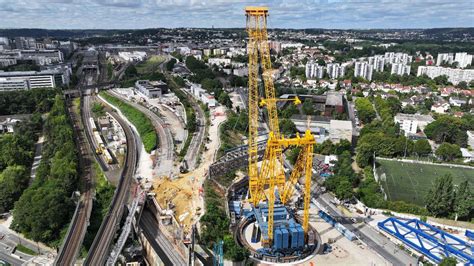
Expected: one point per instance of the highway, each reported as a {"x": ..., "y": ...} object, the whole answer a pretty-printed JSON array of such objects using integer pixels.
[
  {"x": 78, "y": 227},
  {"x": 100, "y": 248},
  {"x": 165, "y": 149}
]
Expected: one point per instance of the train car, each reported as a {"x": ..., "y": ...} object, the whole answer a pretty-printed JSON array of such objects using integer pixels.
[
  {"x": 107, "y": 156},
  {"x": 92, "y": 123},
  {"x": 100, "y": 144}
]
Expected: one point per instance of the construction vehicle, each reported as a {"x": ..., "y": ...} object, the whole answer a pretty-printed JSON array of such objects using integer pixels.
[{"x": 268, "y": 180}]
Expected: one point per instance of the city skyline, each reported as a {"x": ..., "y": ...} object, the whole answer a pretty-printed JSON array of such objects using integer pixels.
[{"x": 328, "y": 14}]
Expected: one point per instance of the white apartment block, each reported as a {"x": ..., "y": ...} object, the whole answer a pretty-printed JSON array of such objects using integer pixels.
[
  {"x": 400, "y": 69},
  {"x": 313, "y": 70},
  {"x": 454, "y": 75},
  {"x": 26, "y": 80},
  {"x": 9, "y": 84},
  {"x": 336, "y": 70},
  {"x": 410, "y": 123},
  {"x": 463, "y": 59},
  {"x": 394, "y": 58},
  {"x": 378, "y": 62},
  {"x": 447, "y": 58},
  {"x": 364, "y": 70},
  {"x": 219, "y": 61}
]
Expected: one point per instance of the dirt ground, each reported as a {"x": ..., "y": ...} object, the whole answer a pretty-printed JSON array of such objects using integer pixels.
[{"x": 184, "y": 192}]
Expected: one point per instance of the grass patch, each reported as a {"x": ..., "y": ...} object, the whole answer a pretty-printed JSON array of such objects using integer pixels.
[
  {"x": 25, "y": 250},
  {"x": 150, "y": 65},
  {"x": 141, "y": 121},
  {"x": 76, "y": 105},
  {"x": 410, "y": 182}
]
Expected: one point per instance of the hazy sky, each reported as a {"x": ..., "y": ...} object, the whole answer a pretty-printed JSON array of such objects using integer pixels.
[{"x": 132, "y": 14}]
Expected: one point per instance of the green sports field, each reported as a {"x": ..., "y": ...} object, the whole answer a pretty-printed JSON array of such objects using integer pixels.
[{"x": 411, "y": 181}]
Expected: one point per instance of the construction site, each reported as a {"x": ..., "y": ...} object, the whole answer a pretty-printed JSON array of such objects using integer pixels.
[
  {"x": 269, "y": 226},
  {"x": 269, "y": 205}
]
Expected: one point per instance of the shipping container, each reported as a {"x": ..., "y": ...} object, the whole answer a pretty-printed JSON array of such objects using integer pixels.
[
  {"x": 92, "y": 123},
  {"x": 277, "y": 239},
  {"x": 108, "y": 157},
  {"x": 293, "y": 237},
  {"x": 285, "y": 238},
  {"x": 300, "y": 236}
]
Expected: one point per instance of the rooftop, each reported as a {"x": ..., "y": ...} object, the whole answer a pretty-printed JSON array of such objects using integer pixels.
[
  {"x": 334, "y": 99},
  {"x": 417, "y": 117},
  {"x": 340, "y": 124}
]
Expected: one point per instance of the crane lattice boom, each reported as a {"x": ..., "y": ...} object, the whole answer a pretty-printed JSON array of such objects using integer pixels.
[{"x": 271, "y": 174}]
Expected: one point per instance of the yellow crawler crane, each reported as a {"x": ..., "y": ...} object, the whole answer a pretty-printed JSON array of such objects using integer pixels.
[{"x": 271, "y": 175}]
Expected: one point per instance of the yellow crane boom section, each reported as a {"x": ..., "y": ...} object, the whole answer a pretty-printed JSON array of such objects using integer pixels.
[{"x": 271, "y": 174}]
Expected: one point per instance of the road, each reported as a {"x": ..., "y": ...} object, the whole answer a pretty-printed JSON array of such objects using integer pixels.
[
  {"x": 100, "y": 248},
  {"x": 380, "y": 244},
  {"x": 160, "y": 243},
  {"x": 9, "y": 239},
  {"x": 78, "y": 227},
  {"x": 198, "y": 139},
  {"x": 165, "y": 151}
]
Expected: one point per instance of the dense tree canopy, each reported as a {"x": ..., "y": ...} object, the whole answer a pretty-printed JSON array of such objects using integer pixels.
[
  {"x": 26, "y": 102},
  {"x": 448, "y": 152},
  {"x": 448, "y": 129},
  {"x": 422, "y": 147},
  {"x": 13, "y": 180},
  {"x": 365, "y": 110},
  {"x": 45, "y": 207}
]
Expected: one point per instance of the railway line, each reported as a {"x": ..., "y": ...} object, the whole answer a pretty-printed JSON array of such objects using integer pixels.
[
  {"x": 198, "y": 139},
  {"x": 100, "y": 248},
  {"x": 78, "y": 227},
  {"x": 166, "y": 154}
]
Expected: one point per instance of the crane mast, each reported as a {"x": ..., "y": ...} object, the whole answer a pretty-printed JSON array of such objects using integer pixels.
[{"x": 264, "y": 181}]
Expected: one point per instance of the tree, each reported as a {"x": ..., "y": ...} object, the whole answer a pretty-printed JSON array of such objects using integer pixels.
[
  {"x": 365, "y": 110},
  {"x": 464, "y": 202},
  {"x": 441, "y": 80},
  {"x": 170, "y": 64},
  {"x": 440, "y": 198},
  {"x": 308, "y": 108},
  {"x": 131, "y": 72},
  {"x": 224, "y": 99},
  {"x": 344, "y": 190},
  {"x": 448, "y": 129},
  {"x": 448, "y": 261},
  {"x": 343, "y": 145},
  {"x": 287, "y": 127},
  {"x": 422, "y": 147},
  {"x": 462, "y": 85},
  {"x": 13, "y": 180},
  {"x": 325, "y": 148},
  {"x": 409, "y": 109},
  {"x": 448, "y": 152}
]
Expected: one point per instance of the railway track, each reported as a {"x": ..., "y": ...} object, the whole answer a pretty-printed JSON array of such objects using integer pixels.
[
  {"x": 166, "y": 154},
  {"x": 77, "y": 230},
  {"x": 198, "y": 139},
  {"x": 100, "y": 248}
]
